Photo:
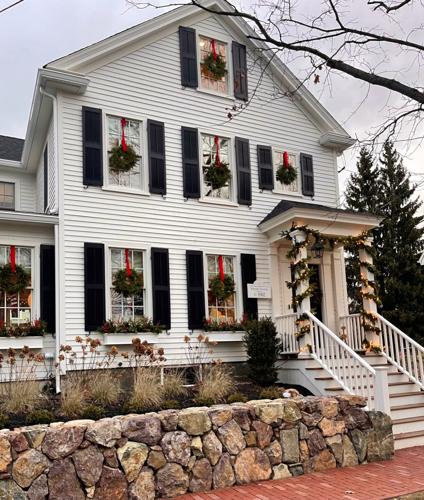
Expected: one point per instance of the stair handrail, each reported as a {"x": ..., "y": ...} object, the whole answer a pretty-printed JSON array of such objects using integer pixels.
[{"x": 409, "y": 364}]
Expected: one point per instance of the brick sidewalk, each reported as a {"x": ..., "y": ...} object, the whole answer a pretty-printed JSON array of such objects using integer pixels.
[{"x": 380, "y": 480}]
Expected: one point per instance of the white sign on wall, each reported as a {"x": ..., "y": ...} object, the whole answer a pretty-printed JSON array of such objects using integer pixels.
[{"x": 258, "y": 290}]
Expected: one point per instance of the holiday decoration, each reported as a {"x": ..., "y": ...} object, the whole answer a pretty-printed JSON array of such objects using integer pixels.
[
  {"x": 286, "y": 173},
  {"x": 214, "y": 65},
  {"x": 13, "y": 278},
  {"x": 222, "y": 285},
  {"x": 218, "y": 173},
  {"x": 128, "y": 282},
  {"x": 122, "y": 158}
]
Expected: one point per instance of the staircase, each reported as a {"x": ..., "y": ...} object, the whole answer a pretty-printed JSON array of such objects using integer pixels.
[{"x": 391, "y": 381}]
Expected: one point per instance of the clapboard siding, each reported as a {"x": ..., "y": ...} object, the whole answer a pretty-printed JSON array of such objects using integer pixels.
[
  {"x": 25, "y": 195},
  {"x": 147, "y": 83}
]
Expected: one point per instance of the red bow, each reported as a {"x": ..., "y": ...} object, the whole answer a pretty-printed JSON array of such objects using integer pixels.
[
  {"x": 127, "y": 263},
  {"x": 123, "y": 141},
  {"x": 215, "y": 55},
  {"x": 13, "y": 258},
  {"x": 286, "y": 161},
  {"x": 217, "y": 158},
  {"x": 221, "y": 268}
]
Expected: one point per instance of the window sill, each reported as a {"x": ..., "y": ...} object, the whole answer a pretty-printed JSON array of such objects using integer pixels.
[
  {"x": 217, "y": 201},
  {"x": 228, "y": 97},
  {"x": 225, "y": 336},
  {"x": 31, "y": 341},
  {"x": 126, "y": 190},
  {"x": 286, "y": 193}
]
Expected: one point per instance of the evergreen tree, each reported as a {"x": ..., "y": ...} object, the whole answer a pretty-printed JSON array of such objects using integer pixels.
[
  {"x": 398, "y": 244},
  {"x": 361, "y": 196}
]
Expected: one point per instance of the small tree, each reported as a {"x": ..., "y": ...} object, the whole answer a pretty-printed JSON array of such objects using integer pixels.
[{"x": 262, "y": 346}]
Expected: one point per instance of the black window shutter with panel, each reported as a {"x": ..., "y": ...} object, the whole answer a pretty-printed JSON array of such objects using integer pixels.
[
  {"x": 94, "y": 286},
  {"x": 46, "y": 177},
  {"x": 244, "y": 182},
  {"x": 240, "y": 71},
  {"x": 266, "y": 173},
  {"x": 248, "y": 276},
  {"x": 195, "y": 289},
  {"x": 307, "y": 171},
  {"x": 188, "y": 57},
  {"x": 47, "y": 287},
  {"x": 92, "y": 146},
  {"x": 160, "y": 287},
  {"x": 190, "y": 153},
  {"x": 157, "y": 167}
]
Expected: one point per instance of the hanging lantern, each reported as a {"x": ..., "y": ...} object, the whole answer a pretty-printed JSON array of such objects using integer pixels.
[{"x": 318, "y": 248}]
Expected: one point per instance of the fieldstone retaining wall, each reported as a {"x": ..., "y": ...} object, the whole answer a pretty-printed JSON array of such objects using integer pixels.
[{"x": 165, "y": 454}]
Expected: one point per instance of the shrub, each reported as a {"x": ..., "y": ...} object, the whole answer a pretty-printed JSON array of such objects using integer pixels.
[
  {"x": 236, "y": 397},
  {"x": 93, "y": 412},
  {"x": 147, "y": 391},
  {"x": 173, "y": 384},
  {"x": 40, "y": 417},
  {"x": 170, "y": 404},
  {"x": 73, "y": 398},
  {"x": 272, "y": 392},
  {"x": 216, "y": 384},
  {"x": 104, "y": 387},
  {"x": 262, "y": 347}
]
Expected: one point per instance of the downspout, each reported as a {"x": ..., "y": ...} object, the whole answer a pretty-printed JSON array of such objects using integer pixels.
[{"x": 56, "y": 241}]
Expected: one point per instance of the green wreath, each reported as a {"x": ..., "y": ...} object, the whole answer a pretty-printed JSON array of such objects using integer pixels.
[
  {"x": 13, "y": 281},
  {"x": 122, "y": 161},
  {"x": 286, "y": 175},
  {"x": 128, "y": 285},
  {"x": 222, "y": 289},
  {"x": 214, "y": 68},
  {"x": 216, "y": 175}
]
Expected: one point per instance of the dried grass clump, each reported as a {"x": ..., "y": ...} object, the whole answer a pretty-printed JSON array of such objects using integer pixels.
[
  {"x": 20, "y": 397},
  {"x": 104, "y": 387},
  {"x": 173, "y": 384},
  {"x": 147, "y": 392},
  {"x": 216, "y": 384},
  {"x": 73, "y": 398}
]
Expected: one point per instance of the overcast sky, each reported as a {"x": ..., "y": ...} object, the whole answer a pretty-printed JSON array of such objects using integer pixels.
[{"x": 38, "y": 31}]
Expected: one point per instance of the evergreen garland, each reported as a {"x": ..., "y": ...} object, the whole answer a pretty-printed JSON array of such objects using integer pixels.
[
  {"x": 222, "y": 289},
  {"x": 13, "y": 281},
  {"x": 122, "y": 161},
  {"x": 214, "y": 67},
  {"x": 128, "y": 285},
  {"x": 286, "y": 174}
]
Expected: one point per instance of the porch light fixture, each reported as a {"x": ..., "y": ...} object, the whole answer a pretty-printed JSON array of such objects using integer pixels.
[{"x": 318, "y": 248}]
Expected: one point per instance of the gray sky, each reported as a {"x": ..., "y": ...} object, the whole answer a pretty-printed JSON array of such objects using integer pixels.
[{"x": 38, "y": 31}]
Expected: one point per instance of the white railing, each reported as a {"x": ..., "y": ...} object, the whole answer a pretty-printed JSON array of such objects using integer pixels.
[
  {"x": 347, "y": 368},
  {"x": 351, "y": 327},
  {"x": 402, "y": 351},
  {"x": 286, "y": 327}
]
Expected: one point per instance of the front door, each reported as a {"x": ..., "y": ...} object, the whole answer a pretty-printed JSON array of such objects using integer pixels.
[{"x": 316, "y": 297}]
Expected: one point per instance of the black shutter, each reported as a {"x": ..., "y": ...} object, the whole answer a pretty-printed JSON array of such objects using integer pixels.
[
  {"x": 188, "y": 57},
  {"x": 94, "y": 286},
  {"x": 265, "y": 170},
  {"x": 160, "y": 287},
  {"x": 190, "y": 152},
  {"x": 307, "y": 170},
  {"x": 240, "y": 71},
  {"x": 47, "y": 287},
  {"x": 46, "y": 177},
  {"x": 244, "y": 191},
  {"x": 195, "y": 289},
  {"x": 92, "y": 146},
  {"x": 248, "y": 276},
  {"x": 157, "y": 169}
]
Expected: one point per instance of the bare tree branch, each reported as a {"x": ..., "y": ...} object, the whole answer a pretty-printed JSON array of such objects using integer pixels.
[{"x": 388, "y": 8}]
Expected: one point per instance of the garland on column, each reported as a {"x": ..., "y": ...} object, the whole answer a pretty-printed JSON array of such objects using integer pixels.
[
  {"x": 122, "y": 157},
  {"x": 368, "y": 288}
]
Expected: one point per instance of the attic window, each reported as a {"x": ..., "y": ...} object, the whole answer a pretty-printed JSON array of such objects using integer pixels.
[
  {"x": 208, "y": 81},
  {"x": 7, "y": 196}
]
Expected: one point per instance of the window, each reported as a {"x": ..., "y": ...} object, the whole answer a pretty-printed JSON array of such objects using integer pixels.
[
  {"x": 208, "y": 81},
  {"x": 126, "y": 308},
  {"x": 7, "y": 196},
  {"x": 16, "y": 308},
  {"x": 209, "y": 150},
  {"x": 221, "y": 310},
  {"x": 133, "y": 133},
  {"x": 283, "y": 188}
]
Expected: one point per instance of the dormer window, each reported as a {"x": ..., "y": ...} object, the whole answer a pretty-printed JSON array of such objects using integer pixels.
[{"x": 213, "y": 65}]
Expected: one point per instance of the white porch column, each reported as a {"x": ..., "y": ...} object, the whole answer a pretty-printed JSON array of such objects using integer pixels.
[
  {"x": 275, "y": 280},
  {"x": 369, "y": 305},
  {"x": 305, "y": 306}
]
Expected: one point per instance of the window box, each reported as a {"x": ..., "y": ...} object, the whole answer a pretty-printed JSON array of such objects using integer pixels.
[
  {"x": 33, "y": 342},
  {"x": 126, "y": 338},
  {"x": 225, "y": 336}
]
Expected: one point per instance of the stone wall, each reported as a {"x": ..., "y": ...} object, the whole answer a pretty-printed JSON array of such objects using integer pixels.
[{"x": 171, "y": 452}]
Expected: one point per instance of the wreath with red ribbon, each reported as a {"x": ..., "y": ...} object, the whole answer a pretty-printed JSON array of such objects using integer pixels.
[
  {"x": 218, "y": 174},
  {"x": 222, "y": 285},
  {"x": 214, "y": 65},
  {"x": 13, "y": 278},
  {"x": 128, "y": 282},
  {"x": 286, "y": 173},
  {"x": 122, "y": 158}
]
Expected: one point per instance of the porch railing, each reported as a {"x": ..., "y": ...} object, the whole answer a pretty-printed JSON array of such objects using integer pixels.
[
  {"x": 286, "y": 327},
  {"x": 351, "y": 326}
]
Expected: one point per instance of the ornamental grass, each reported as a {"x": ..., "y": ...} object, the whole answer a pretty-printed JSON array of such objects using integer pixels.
[
  {"x": 73, "y": 397},
  {"x": 104, "y": 387},
  {"x": 216, "y": 384},
  {"x": 173, "y": 384},
  {"x": 147, "y": 392}
]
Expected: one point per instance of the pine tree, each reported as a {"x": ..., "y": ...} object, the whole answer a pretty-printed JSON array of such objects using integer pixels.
[
  {"x": 361, "y": 196},
  {"x": 398, "y": 244}
]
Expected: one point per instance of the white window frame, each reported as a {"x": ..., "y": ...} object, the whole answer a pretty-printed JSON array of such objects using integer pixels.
[
  {"x": 231, "y": 157},
  {"x": 238, "y": 303},
  {"x": 13, "y": 183},
  {"x": 144, "y": 166},
  {"x": 278, "y": 187},
  {"x": 230, "y": 80},
  {"x": 17, "y": 183}
]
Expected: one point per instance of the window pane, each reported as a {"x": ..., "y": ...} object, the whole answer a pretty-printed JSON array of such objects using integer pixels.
[
  {"x": 209, "y": 151},
  {"x": 208, "y": 81},
  {"x": 221, "y": 310},
  {"x": 278, "y": 160},
  {"x": 7, "y": 195}
]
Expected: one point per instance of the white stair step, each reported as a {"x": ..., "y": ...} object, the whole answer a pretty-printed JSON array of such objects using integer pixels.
[
  {"x": 404, "y": 425},
  {"x": 401, "y": 387},
  {"x": 409, "y": 439},
  {"x": 406, "y": 398},
  {"x": 408, "y": 410},
  {"x": 397, "y": 377}
]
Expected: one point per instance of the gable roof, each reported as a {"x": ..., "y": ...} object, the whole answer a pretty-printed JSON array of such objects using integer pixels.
[{"x": 11, "y": 148}]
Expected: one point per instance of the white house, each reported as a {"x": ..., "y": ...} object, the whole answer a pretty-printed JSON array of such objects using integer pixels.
[{"x": 72, "y": 221}]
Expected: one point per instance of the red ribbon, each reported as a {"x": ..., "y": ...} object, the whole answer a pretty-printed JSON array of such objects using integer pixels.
[
  {"x": 221, "y": 268},
  {"x": 286, "y": 161},
  {"x": 127, "y": 263},
  {"x": 217, "y": 158},
  {"x": 13, "y": 258},
  {"x": 215, "y": 55},
  {"x": 123, "y": 141}
]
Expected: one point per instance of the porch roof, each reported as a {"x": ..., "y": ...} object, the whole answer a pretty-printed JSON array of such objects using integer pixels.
[{"x": 328, "y": 220}]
